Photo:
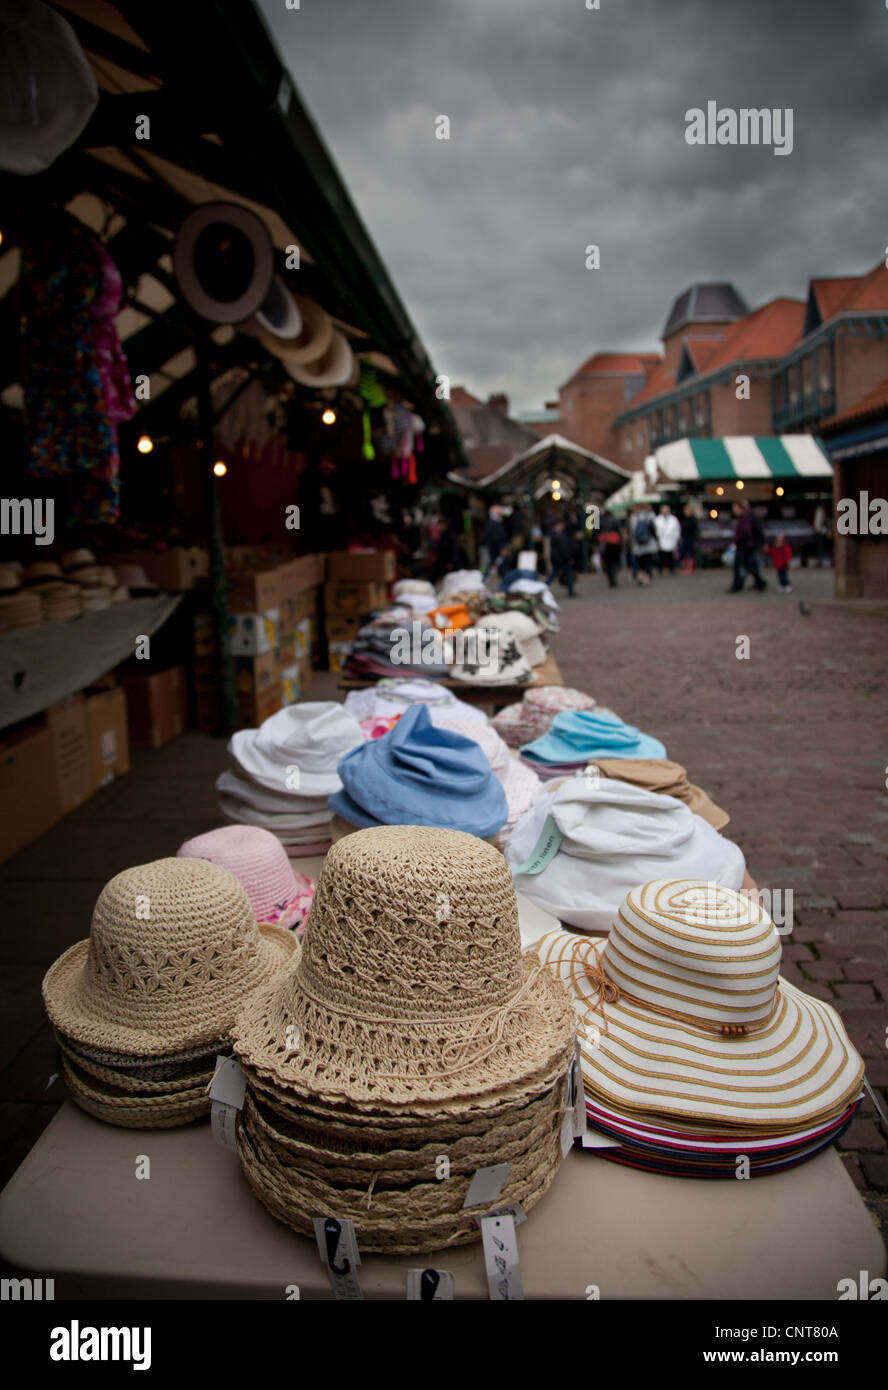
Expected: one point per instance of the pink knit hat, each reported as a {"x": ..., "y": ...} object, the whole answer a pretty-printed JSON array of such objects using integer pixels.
[{"x": 259, "y": 860}]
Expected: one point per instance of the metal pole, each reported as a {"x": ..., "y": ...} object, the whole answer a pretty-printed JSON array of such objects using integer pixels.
[{"x": 218, "y": 576}]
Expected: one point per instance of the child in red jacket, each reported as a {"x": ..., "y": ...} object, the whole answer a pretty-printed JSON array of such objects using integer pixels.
[{"x": 781, "y": 554}]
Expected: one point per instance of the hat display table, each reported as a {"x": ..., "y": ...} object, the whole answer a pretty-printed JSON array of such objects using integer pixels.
[
  {"x": 75, "y": 1211},
  {"x": 493, "y": 697}
]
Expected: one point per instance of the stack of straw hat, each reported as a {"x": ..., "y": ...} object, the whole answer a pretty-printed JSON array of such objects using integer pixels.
[
  {"x": 10, "y": 579},
  {"x": 696, "y": 1054},
  {"x": 411, "y": 1027},
  {"x": 59, "y": 602},
  {"x": 19, "y": 608},
  {"x": 144, "y": 1005},
  {"x": 283, "y": 772},
  {"x": 99, "y": 587}
]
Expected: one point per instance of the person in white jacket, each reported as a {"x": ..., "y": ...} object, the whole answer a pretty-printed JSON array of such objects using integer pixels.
[{"x": 668, "y": 528}]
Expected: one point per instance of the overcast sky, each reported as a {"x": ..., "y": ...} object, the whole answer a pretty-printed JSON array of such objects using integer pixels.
[{"x": 567, "y": 129}]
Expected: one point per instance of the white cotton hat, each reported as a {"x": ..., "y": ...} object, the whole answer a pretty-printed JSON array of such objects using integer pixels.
[
  {"x": 393, "y": 696},
  {"x": 460, "y": 582},
  {"x": 417, "y": 587},
  {"x": 684, "y": 1015},
  {"x": 252, "y": 797},
  {"x": 587, "y": 841},
  {"x": 298, "y": 749},
  {"x": 49, "y": 91},
  {"x": 524, "y": 628}
]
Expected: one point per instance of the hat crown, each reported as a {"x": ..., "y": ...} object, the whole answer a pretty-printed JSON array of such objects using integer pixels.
[
  {"x": 171, "y": 926},
  {"x": 696, "y": 948},
  {"x": 257, "y": 859},
  {"x": 557, "y": 698},
  {"x": 409, "y": 922}
]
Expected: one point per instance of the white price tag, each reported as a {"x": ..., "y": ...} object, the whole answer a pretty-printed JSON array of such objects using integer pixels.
[
  {"x": 223, "y": 1122},
  {"x": 576, "y": 1094},
  {"x": 338, "y": 1249},
  {"x": 593, "y": 1140},
  {"x": 486, "y": 1185},
  {"x": 501, "y": 1258},
  {"x": 567, "y": 1133},
  {"x": 227, "y": 1090},
  {"x": 429, "y": 1285},
  {"x": 514, "y": 1209}
]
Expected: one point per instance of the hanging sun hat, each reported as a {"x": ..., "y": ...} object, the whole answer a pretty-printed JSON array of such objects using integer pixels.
[
  {"x": 394, "y": 695},
  {"x": 519, "y": 782},
  {"x": 421, "y": 775},
  {"x": 297, "y": 747},
  {"x": 684, "y": 1014},
  {"x": 223, "y": 261},
  {"x": 333, "y": 367},
  {"x": 49, "y": 90},
  {"x": 586, "y": 841},
  {"x": 579, "y": 736},
  {"x": 525, "y": 629},
  {"x": 278, "y": 318},
  {"x": 258, "y": 861},
  {"x": 668, "y": 779},
  {"x": 313, "y": 340},
  {"x": 411, "y": 985},
  {"x": 172, "y": 950},
  {"x": 491, "y": 656}
]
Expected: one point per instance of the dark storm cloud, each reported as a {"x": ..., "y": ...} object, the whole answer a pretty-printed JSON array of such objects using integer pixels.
[{"x": 567, "y": 129}]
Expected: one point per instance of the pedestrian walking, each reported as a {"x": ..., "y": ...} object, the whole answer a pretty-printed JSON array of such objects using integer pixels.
[
  {"x": 611, "y": 546},
  {"x": 780, "y": 554},
  {"x": 668, "y": 529},
  {"x": 496, "y": 536},
  {"x": 644, "y": 545},
  {"x": 747, "y": 538},
  {"x": 561, "y": 547},
  {"x": 690, "y": 534}
]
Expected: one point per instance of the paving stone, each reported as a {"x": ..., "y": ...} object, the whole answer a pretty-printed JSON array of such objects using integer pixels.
[
  {"x": 862, "y": 1134},
  {"x": 864, "y": 970},
  {"x": 856, "y": 993},
  {"x": 836, "y": 950},
  {"x": 852, "y": 1167},
  {"x": 822, "y": 970},
  {"x": 875, "y": 1167}
]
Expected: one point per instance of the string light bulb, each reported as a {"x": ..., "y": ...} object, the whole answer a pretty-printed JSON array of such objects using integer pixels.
[
  {"x": 719, "y": 492},
  {"x": 779, "y": 491},
  {"x": 740, "y": 485},
  {"x": 220, "y": 468},
  {"x": 145, "y": 444},
  {"x": 714, "y": 514},
  {"x": 329, "y": 417}
]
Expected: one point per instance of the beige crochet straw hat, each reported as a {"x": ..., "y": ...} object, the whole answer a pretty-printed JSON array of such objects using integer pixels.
[
  {"x": 411, "y": 986},
  {"x": 173, "y": 949}
]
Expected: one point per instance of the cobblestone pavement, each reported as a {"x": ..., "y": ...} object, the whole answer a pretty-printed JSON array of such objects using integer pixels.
[{"x": 793, "y": 742}]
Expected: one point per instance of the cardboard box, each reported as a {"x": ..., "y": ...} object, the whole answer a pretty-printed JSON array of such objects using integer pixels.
[
  {"x": 354, "y": 600},
  {"x": 302, "y": 638},
  {"x": 29, "y": 790},
  {"x": 208, "y": 711},
  {"x": 67, "y": 720},
  {"x": 341, "y": 628},
  {"x": 252, "y": 634},
  {"x": 256, "y": 591},
  {"x": 299, "y": 575},
  {"x": 253, "y": 710},
  {"x": 295, "y": 681},
  {"x": 354, "y": 566},
  {"x": 255, "y": 674},
  {"x": 177, "y": 569},
  {"x": 204, "y": 636},
  {"x": 337, "y": 654},
  {"x": 157, "y": 706},
  {"x": 107, "y": 734}
]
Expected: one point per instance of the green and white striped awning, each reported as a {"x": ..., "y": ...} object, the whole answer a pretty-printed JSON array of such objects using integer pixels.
[{"x": 741, "y": 456}]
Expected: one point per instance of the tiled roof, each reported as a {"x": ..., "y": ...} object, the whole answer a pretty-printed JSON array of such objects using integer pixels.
[
  {"x": 459, "y": 396},
  {"x": 659, "y": 383},
  {"x": 615, "y": 363},
  {"x": 701, "y": 351},
  {"x": 873, "y": 403},
  {"x": 834, "y": 293},
  {"x": 767, "y": 332},
  {"x": 873, "y": 291}
]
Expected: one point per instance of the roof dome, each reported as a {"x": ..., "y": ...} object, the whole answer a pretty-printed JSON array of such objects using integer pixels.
[{"x": 705, "y": 303}]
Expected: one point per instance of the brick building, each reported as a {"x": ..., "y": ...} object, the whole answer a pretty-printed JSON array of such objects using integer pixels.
[{"x": 590, "y": 401}]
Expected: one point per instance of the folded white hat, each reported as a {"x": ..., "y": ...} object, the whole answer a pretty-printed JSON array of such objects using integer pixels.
[
  {"x": 524, "y": 628},
  {"x": 393, "y": 696},
  {"x": 419, "y": 587},
  {"x": 298, "y": 749},
  {"x": 587, "y": 841},
  {"x": 310, "y": 824},
  {"x": 460, "y": 582}
]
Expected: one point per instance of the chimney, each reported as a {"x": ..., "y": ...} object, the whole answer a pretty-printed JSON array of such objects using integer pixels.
[{"x": 499, "y": 402}]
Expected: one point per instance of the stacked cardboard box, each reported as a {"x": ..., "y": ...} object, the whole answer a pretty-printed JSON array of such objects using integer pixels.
[
  {"x": 156, "y": 703},
  {"x": 357, "y": 583},
  {"x": 177, "y": 569}
]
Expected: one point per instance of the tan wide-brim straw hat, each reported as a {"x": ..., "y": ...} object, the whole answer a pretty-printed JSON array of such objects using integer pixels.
[
  {"x": 41, "y": 571},
  {"x": 154, "y": 1111},
  {"x": 684, "y": 1015},
  {"x": 74, "y": 560},
  {"x": 313, "y": 340},
  {"x": 10, "y": 579},
  {"x": 411, "y": 985},
  {"x": 331, "y": 368},
  {"x": 669, "y": 779},
  {"x": 400, "y": 1207},
  {"x": 173, "y": 951}
]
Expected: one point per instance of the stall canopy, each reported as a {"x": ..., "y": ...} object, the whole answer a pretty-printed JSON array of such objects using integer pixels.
[
  {"x": 195, "y": 107},
  {"x": 748, "y": 457},
  {"x": 552, "y": 458}
]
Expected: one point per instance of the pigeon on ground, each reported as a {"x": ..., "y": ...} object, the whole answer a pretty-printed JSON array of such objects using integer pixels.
[{"x": 804, "y": 609}]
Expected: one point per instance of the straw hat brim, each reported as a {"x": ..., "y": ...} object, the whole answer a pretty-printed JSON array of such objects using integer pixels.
[
  {"x": 397, "y": 1061},
  {"x": 796, "y": 1069},
  {"x": 75, "y": 1009}
]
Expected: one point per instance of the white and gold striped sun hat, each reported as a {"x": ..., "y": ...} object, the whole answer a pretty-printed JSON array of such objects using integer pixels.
[{"x": 684, "y": 1014}]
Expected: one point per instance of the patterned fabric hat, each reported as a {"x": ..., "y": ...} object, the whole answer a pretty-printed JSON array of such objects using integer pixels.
[
  {"x": 525, "y": 629},
  {"x": 685, "y": 1014},
  {"x": 172, "y": 950},
  {"x": 492, "y": 656},
  {"x": 258, "y": 860},
  {"x": 532, "y": 717},
  {"x": 394, "y": 695}
]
